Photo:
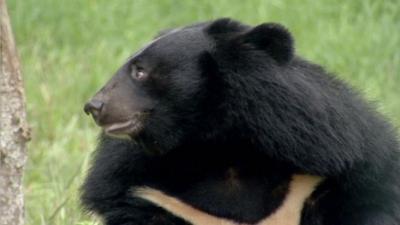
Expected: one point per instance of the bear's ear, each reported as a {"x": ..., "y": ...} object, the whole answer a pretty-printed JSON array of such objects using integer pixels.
[
  {"x": 225, "y": 25},
  {"x": 274, "y": 39}
]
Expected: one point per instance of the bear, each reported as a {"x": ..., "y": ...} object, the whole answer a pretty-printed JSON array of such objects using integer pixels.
[{"x": 222, "y": 116}]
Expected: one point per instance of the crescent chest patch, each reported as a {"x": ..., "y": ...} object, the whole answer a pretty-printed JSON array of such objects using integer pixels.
[{"x": 289, "y": 213}]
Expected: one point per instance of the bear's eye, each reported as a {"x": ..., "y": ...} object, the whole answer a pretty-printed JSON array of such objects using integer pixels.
[{"x": 138, "y": 73}]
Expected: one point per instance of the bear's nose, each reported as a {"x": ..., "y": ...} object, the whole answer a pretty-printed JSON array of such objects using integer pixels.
[{"x": 93, "y": 107}]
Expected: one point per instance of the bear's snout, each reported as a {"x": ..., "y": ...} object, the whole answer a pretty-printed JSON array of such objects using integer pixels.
[{"x": 94, "y": 108}]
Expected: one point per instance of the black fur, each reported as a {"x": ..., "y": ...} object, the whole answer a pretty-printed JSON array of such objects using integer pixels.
[{"x": 232, "y": 97}]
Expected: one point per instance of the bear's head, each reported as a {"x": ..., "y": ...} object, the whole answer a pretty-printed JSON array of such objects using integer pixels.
[{"x": 191, "y": 84}]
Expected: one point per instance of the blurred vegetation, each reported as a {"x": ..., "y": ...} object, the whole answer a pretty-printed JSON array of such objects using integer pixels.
[{"x": 70, "y": 48}]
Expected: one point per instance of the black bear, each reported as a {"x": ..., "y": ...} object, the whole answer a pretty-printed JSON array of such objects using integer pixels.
[{"x": 222, "y": 118}]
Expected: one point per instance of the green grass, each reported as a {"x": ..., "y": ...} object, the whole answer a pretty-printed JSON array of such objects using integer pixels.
[{"x": 70, "y": 48}]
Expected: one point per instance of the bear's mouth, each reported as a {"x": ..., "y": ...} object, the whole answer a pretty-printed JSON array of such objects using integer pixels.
[
  {"x": 125, "y": 128},
  {"x": 130, "y": 127}
]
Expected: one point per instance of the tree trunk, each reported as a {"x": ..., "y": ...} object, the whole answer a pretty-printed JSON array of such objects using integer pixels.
[{"x": 14, "y": 132}]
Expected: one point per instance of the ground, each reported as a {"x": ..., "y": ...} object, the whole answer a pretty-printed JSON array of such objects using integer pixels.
[{"x": 70, "y": 48}]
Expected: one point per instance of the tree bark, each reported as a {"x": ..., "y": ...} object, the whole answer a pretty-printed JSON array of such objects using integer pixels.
[{"x": 14, "y": 132}]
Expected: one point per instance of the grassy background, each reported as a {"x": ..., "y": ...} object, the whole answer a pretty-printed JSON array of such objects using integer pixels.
[{"x": 70, "y": 48}]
